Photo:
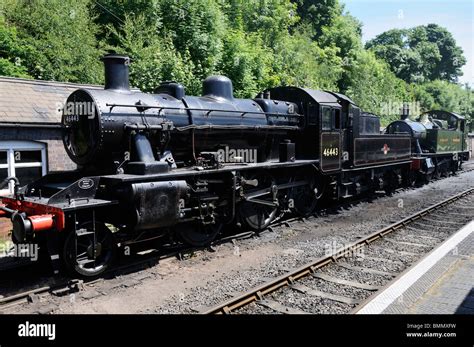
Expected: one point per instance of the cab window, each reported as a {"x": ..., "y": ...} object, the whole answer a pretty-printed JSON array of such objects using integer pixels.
[
  {"x": 312, "y": 113},
  {"x": 326, "y": 118},
  {"x": 337, "y": 119}
]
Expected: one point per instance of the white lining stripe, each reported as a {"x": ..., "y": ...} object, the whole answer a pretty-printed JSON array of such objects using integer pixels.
[
  {"x": 390, "y": 294},
  {"x": 55, "y": 256}
]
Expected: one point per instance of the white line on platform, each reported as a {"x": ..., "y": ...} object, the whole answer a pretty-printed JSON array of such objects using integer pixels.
[{"x": 393, "y": 292}]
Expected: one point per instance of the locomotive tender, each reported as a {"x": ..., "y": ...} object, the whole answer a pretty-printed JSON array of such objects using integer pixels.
[{"x": 151, "y": 165}]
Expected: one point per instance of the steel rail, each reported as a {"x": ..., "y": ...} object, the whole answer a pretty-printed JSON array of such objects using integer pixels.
[
  {"x": 79, "y": 284},
  {"x": 230, "y": 305},
  {"x": 288, "y": 279},
  {"x": 72, "y": 285}
]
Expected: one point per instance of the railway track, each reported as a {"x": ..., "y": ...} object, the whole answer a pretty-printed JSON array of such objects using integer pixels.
[
  {"x": 65, "y": 286},
  {"x": 62, "y": 286},
  {"x": 349, "y": 275}
]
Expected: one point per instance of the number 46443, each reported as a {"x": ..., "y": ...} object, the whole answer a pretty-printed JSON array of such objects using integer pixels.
[{"x": 330, "y": 152}]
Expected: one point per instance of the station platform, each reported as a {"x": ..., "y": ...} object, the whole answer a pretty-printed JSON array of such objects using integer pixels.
[{"x": 440, "y": 283}]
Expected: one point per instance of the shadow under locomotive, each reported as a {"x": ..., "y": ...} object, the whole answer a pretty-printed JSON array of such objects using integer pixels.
[{"x": 168, "y": 165}]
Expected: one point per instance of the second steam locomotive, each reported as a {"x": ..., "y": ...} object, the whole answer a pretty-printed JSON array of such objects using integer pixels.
[{"x": 153, "y": 165}]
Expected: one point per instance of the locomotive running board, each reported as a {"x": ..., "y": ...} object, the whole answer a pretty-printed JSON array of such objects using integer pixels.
[
  {"x": 390, "y": 163},
  {"x": 187, "y": 172}
]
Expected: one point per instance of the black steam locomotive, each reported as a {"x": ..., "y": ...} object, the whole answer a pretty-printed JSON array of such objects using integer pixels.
[{"x": 166, "y": 163}]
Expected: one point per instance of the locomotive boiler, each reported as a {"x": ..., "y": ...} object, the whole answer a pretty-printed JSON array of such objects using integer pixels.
[{"x": 134, "y": 127}]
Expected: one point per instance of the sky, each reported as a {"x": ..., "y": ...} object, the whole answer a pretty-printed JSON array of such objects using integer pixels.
[{"x": 457, "y": 16}]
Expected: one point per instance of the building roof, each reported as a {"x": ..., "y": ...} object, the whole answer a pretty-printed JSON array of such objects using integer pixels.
[{"x": 34, "y": 102}]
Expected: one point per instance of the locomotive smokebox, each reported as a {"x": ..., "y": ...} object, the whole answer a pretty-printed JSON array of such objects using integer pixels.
[{"x": 116, "y": 72}]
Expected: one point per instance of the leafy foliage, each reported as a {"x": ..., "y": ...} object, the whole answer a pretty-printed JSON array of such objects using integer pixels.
[
  {"x": 319, "y": 13},
  {"x": 423, "y": 53},
  {"x": 256, "y": 43},
  {"x": 58, "y": 39},
  {"x": 247, "y": 63},
  {"x": 11, "y": 51},
  {"x": 195, "y": 27},
  {"x": 443, "y": 95},
  {"x": 154, "y": 58}
]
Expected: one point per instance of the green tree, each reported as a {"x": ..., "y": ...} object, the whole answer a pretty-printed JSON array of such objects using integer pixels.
[
  {"x": 12, "y": 51},
  {"x": 59, "y": 39},
  {"x": 375, "y": 88},
  {"x": 154, "y": 58},
  {"x": 299, "y": 61},
  {"x": 197, "y": 28},
  {"x": 247, "y": 62},
  {"x": 257, "y": 43},
  {"x": 345, "y": 37},
  {"x": 112, "y": 13},
  {"x": 271, "y": 19},
  {"x": 319, "y": 14},
  {"x": 419, "y": 54},
  {"x": 444, "y": 95}
]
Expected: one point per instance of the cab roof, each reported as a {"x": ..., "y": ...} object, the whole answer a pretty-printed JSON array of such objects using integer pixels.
[{"x": 458, "y": 116}]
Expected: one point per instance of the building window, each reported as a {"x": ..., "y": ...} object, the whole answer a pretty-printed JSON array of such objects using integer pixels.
[{"x": 25, "y": 160}]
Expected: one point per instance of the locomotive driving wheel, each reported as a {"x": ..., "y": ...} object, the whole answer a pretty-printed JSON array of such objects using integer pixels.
[
  {"x": 305, "y": 197},
  {"x": 440, "y": 167},
  {"x": 259, "y": 209},
  {"x": 88, "y": 252},
  {"x": 410, "y": 179},
  {"x": 198, "y": 235}
]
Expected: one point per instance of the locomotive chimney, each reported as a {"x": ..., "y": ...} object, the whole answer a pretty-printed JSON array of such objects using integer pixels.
[
  {"x": 405, "y": 111},
  {"x": 116, "y": 72}
]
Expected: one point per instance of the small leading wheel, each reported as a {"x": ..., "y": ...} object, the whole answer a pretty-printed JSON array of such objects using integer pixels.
[
  {"x": 87, "y": 253},
  {"x": 198, "y": 235},
  {"x": 258, "y": 214}
]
